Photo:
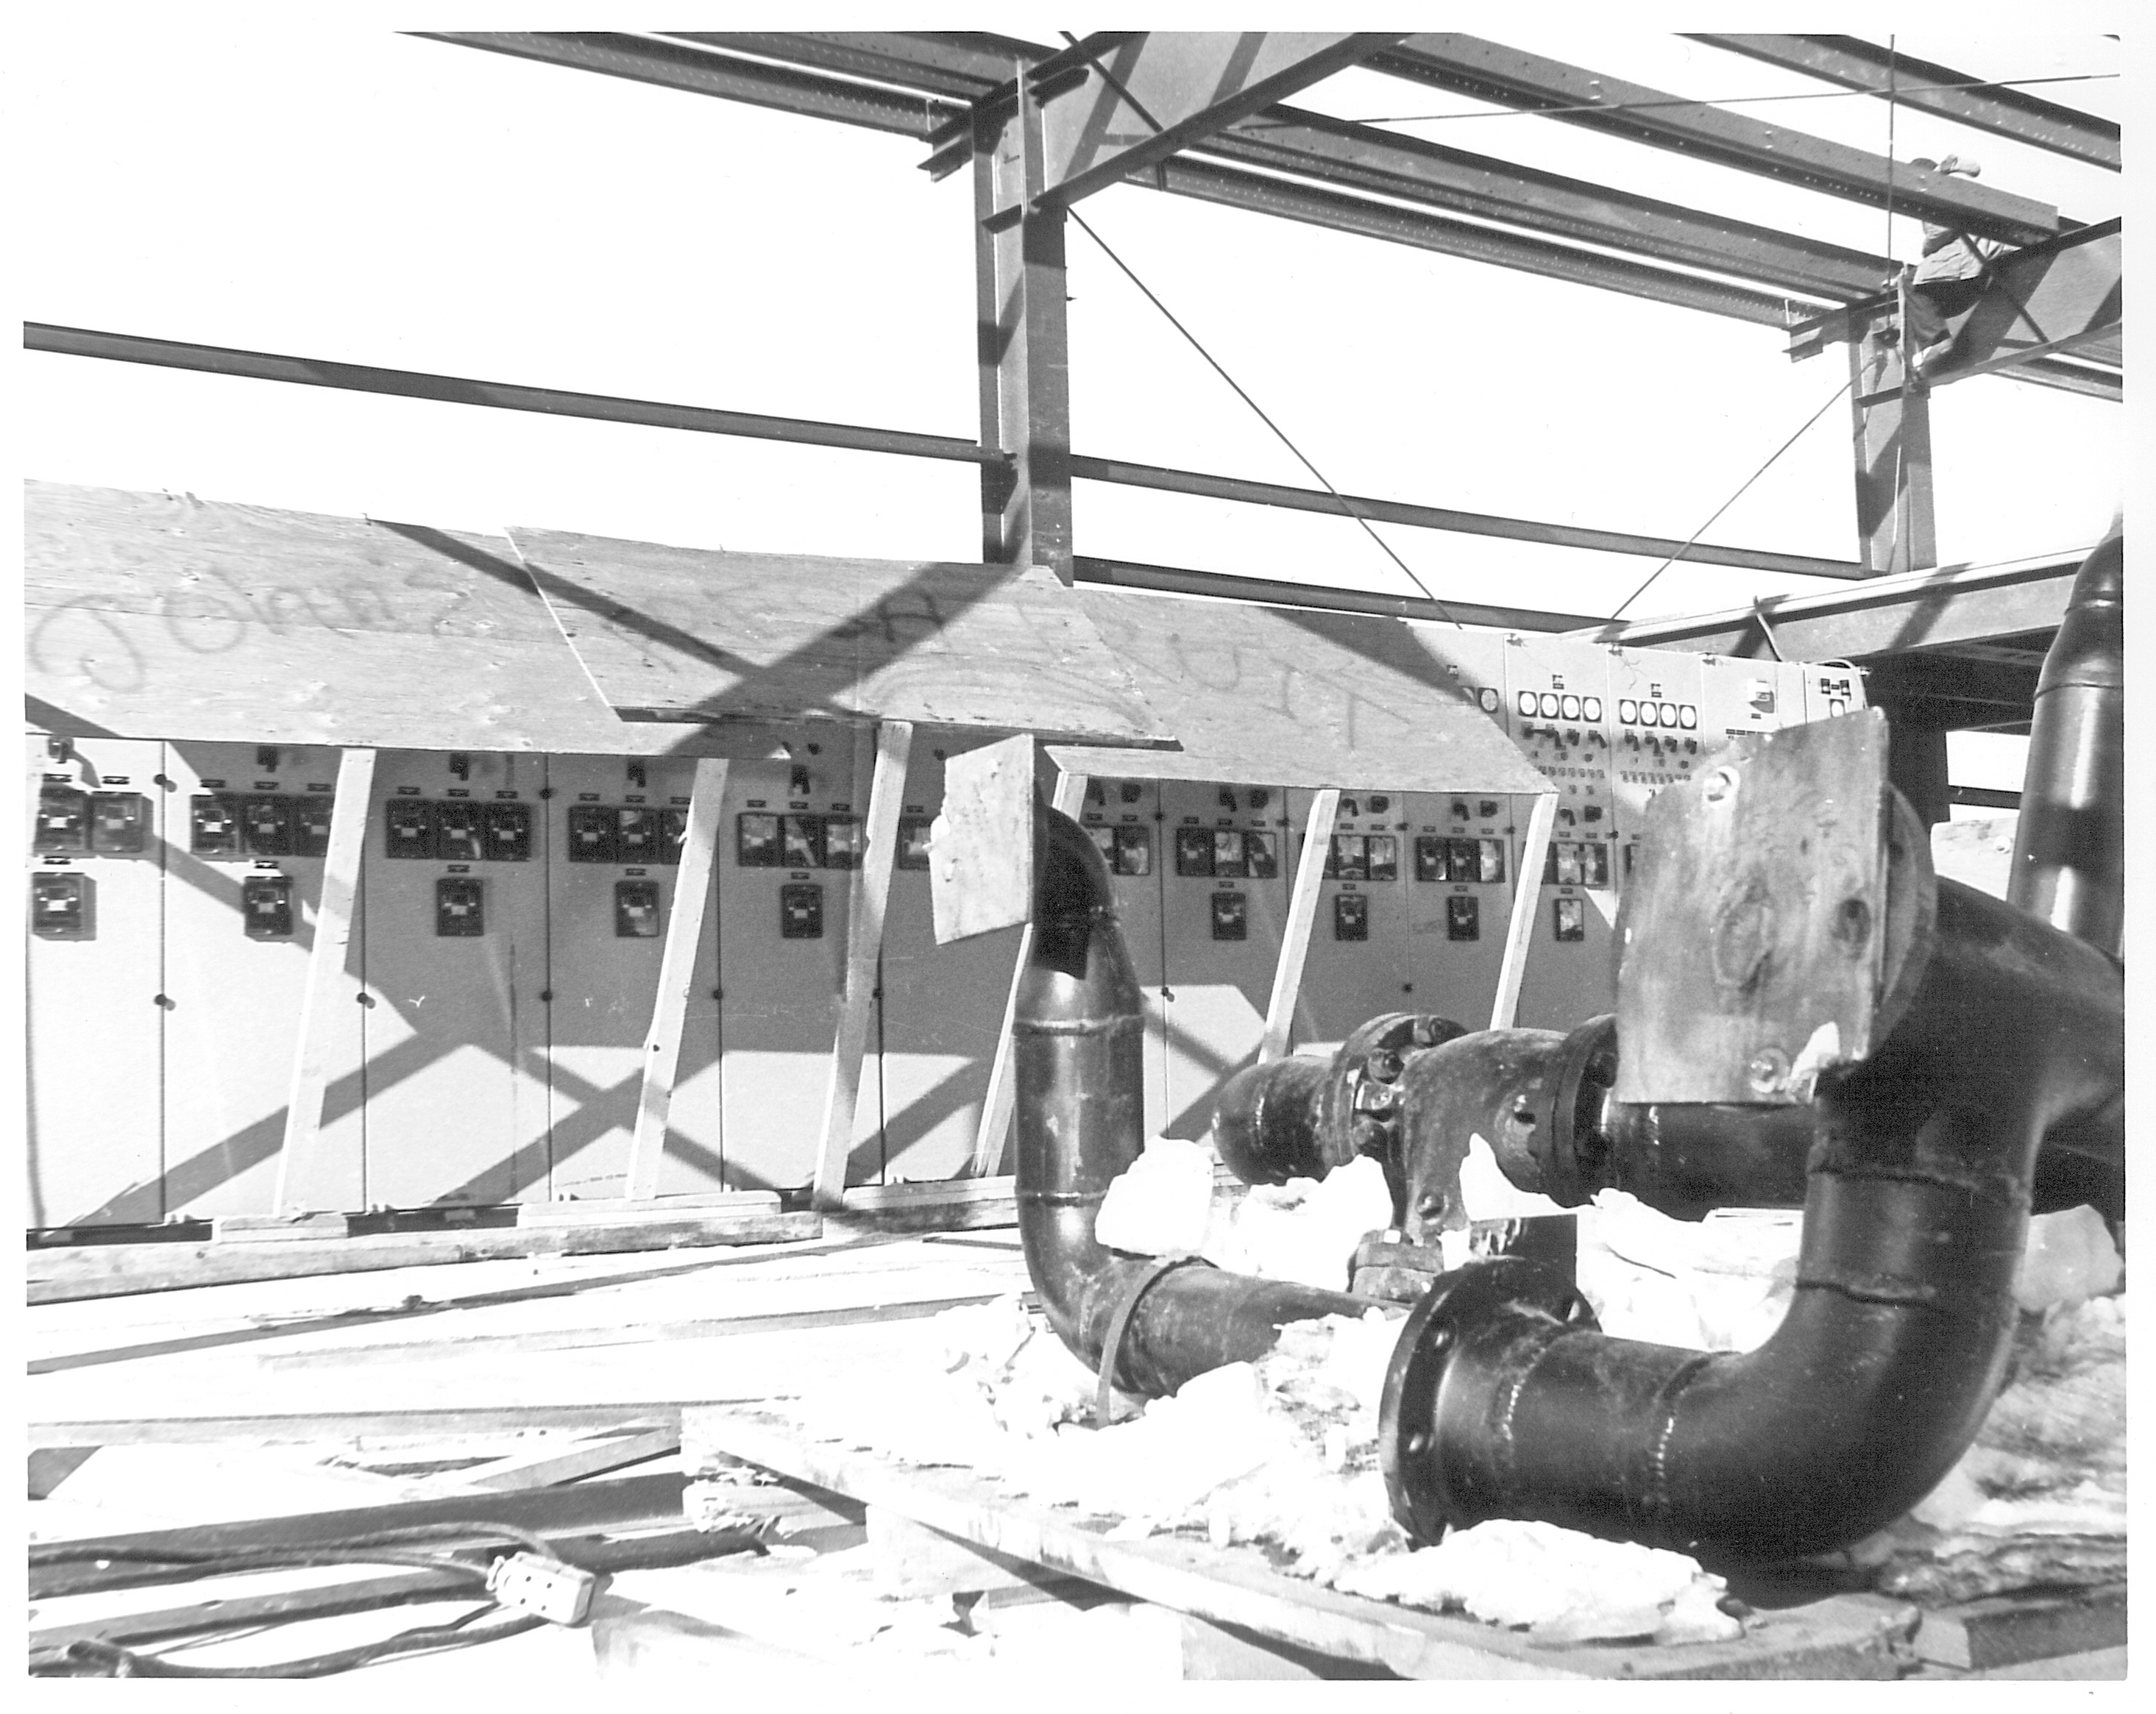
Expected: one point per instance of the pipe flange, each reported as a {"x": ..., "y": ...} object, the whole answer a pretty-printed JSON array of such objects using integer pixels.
[
  {"x": 1568, "y": 1142},
  {"x": 1460, "y": 1302},
  {"x": 1119, "y": 1324},
  {"x": 1361, "y": 1111}
]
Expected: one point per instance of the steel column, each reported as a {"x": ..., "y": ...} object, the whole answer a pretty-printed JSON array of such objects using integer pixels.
[
  {"x": 1025, "y": 351},
  {"x": 1893, "y": 435}
]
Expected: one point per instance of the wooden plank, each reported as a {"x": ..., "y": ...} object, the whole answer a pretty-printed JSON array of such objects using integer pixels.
[
  {"x": 980, "y": 853},
  {"x": 1754, "y": 957},
  {"x": 916, "y": 1560},
  {"x": 275, "y": 1228},
  {"x": 306, "y": 1422},
  {"x": 1302, "y": 917},
  {"x": 609, "y": 1211},
  {"x": 866, "y": 899},
  {"x": 259, "y": 1598},
  {"x": 1297, "y": 697},
  {"x": 327, "y": 959},
  {"x": 1841, "y": 1637},
  {"x": 51, "y": 1466},
  {"x": 1068, "y": 799},
  {"x": 677, "y": 972},
  {"x": 65, "y": 1274},
  {"x": 161, "y": 616},
  {"x": 547, "y": 1465},
  {"x": 2006, "y": 1630},
  {"x": 1526, "y": 900},
  {"x": 692, "y": 633}
]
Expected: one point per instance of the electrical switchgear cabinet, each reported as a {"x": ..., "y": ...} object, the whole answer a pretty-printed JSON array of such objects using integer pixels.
[
  {"x": 606, "y": 922},
  {"x": 94, "y": 1068}
]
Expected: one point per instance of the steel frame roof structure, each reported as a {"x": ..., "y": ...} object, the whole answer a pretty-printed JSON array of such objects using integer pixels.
[{"x": 1206, "y": 116}]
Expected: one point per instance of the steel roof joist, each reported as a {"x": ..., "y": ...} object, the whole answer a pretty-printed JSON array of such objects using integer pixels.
[
  {"x": 1992, "y": 107},
  {"x": 1488, "y": 71}
]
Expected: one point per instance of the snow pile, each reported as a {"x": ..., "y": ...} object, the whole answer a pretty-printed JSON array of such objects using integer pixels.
[
  {"x": 1306, "y": 1229},
  {"x": 1164, "y": 1204},
  {"x": 2069, "y": 1257},
  {"x": 1564, "y": 1586}
]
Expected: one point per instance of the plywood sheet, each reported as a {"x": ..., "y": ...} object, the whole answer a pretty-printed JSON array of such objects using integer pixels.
[
  {"x": 693, "y": 633},
  {"x": 1293, "y": 696},
  {"x": 162, "y": 615}
]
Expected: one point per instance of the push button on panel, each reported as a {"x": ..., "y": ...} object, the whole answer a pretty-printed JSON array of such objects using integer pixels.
[
  {"x": 1351, "y": 916},
  {"x": 269, "y": 826},
  {"x": 756, "y": 841},
  {"x": 1231, "y": 917},
  {"x": 119, "y": 822},
  {"x": 504, "y": 833},
  {"x": 1463, "y": 917},
  {"x": 311, "y": 826},
  {"x": 845, "y": 841},
  {"x": 591, "y": 832},
  {"x": 213, "y": 827},
  {"x": 457, "y": 831},
  {"x": 411, "y": 827}
]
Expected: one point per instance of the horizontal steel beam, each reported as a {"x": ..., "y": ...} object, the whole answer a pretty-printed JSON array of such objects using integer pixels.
[
  {"x": 1429, "y": 517},
  {"x": 1917, "y": 610},
  {"x": 1925, "y": 86},
  {"x": 1924, "y": 675},
  {"x": 1984, "y": 796},
  {"x": 1132, "y": 103},
  {"x": 1224, "y": 586},
  {"x": 650, "y": 59},
  {"x": 451, "y": 389},
  {"x": 963, "y": 65},
  {"x": 1294, "y": 199},
  {"x": 1285, "y": 140},
  {"x": 1339, "y": 152},
  {"x": 1488, "y": 71}
]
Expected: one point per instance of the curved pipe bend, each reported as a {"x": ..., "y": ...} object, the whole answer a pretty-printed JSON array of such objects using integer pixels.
[
  {"x": 1898, "y": 1331},
  {"x": 1077, "y": 1035}
]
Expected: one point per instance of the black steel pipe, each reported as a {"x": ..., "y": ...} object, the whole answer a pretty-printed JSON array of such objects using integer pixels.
[
  {"x": 1077, "y": 1031},
  {"x": 1902, "y": 1316},
  {"x": 2070, "y": 844}
]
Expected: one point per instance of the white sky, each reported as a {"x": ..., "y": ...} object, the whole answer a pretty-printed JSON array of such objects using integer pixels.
[{"x": 231, "y": 176}]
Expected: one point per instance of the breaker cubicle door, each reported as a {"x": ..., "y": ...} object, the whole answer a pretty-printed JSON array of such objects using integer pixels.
[
  {"x": 1124, "y": 819},
  {"x": 1223, "y": 909},
  {"x": 1457, "y": 854},
  {"x": 455, "y": 963},
  {"x": 250, "y": 825},
  {"x": 787, "y": 852},
  {"x": 1358, "y": 964},
  {"x": 94, "y": 1068},
  {"x": 610, "y": 865},
  {"x": 942, "y": 1005}
]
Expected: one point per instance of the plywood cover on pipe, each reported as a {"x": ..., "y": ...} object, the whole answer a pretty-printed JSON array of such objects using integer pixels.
[
  {"x": 155, "y": 615},
  {"x": 1293, "y": 696},
  {"x": 694, "y": 633}
]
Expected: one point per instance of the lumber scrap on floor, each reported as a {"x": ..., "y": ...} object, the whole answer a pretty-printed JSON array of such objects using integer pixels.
[
  {"x": 1842, "y": 1637},
  {"x": 62, "y": 1274}
]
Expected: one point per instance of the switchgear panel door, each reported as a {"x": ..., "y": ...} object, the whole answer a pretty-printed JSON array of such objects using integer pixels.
[
  {"x": 942, "y": 1005},
  {"x": 1123, "y": 818},
  {"x": 454, "y": 1012},
  {"x": 242, "y": 884},
  {"x": 786, "y": 854},
  {"x": 610, "y": 866},
  {"x": 1225, "y": 890},
  {"x": 1357, "y": 964},
  {"x": 95, "y": 1065},
  {"x": 1457, "y": 856}
]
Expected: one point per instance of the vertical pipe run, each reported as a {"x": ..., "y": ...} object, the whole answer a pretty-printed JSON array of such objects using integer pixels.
[{"x": 2070, "y": 844}]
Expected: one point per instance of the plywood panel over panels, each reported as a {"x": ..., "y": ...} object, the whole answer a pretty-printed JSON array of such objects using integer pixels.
[
  {"x": 1293, "y": 696},
  {"x": 155, "y": 615},
  {"x": 693, "y": 633}
]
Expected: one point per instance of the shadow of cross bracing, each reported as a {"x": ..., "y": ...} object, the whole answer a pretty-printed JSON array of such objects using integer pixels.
[{"x": 895, "y": 622}]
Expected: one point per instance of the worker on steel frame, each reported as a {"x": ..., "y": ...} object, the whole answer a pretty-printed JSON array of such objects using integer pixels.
[{"x": 1946, "y": 282}]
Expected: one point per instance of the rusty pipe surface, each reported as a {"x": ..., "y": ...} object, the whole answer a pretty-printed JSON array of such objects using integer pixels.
[
  {"x": 1078, "y": 1115},
  {"x": 1504, "y": 1402},
  {"x": 2069, "y": 843}
]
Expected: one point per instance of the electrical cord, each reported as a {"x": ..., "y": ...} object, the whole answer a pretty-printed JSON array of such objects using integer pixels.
[{"x": 112, "y": 1661}]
